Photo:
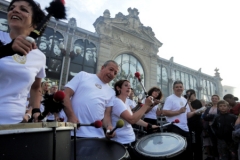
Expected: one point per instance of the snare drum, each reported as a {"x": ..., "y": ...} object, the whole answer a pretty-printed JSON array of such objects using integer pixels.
[
  {"x": 99, "y": 149},
  {"x": 161, "y": 145},
  {"x": 36, "y": 141}
]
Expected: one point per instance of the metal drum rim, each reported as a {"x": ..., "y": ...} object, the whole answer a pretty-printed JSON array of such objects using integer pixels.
[
  {"x": 184, "y": 145},
  {"x": 32, "y": 130},
  {"x": 104, "y": 139}
]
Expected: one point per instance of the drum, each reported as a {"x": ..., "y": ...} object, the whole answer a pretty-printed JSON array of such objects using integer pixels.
[
  {"x": 38, "y": 141},
  {"x": 98, "y": 149},
  {"x": 161, "y": 145}
]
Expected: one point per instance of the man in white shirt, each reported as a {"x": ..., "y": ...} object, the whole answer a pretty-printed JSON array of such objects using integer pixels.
[
  {"x": 176, "y": 107},
  {"x": 87, "y": 98}
]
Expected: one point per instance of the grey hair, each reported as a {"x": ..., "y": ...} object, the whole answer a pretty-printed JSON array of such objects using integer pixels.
[
  {"x": 177, "y": 82},
  {"x": 109, "y": 61}
]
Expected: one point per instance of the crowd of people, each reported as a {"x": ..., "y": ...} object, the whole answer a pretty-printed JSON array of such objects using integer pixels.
[{"x": 88, "y": 98}]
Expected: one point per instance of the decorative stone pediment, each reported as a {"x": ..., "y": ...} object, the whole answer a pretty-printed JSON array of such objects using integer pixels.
[
  {"x": 126, "y": 25},
  {"x": 72, "y": 23}
]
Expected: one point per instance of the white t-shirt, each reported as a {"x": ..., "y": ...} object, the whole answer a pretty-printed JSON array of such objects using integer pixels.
[
  {"x": 15, "y": 82},
  {"x": 152, "y": 114},
  {"x": 125, "y": 134},
  {"x": 131, "y": 103},
  {"x": 90, "y": 99},
  {"x": 174, "y": 103}
]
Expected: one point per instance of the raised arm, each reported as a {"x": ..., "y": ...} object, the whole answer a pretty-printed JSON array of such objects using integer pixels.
[
  {"x": 134, "y": 118},
  {"x": 19, "y": 44}
]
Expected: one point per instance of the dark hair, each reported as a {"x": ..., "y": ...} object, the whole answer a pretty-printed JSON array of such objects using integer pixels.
[
  {"x": 119, "y": 84},
  {"x": 150, "y": 91},
  {"x": 38, "y": 14},
  {"x": 185, "y": 96},
  {"x": 228, "y": 96},
  {"x": 177, "y": 82},
  {"x": 191, "y": 91},
  {"x": 222, "y": 102}
]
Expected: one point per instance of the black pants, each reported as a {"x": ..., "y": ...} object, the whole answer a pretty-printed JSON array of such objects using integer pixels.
[
  {"x": 197, "y": 145},
  {"x": 214, "y": 143},
  {"x": 187, "y": 154},
  {"x": 132, "y": 152}
]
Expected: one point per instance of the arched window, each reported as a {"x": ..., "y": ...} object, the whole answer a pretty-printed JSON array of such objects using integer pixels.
[
  {"x": 162, "y": 80},
  {"x": 83, "y": 57},
  {"x": 129, "y": 65},
  {"x": 208, "y": 89},
  {"x": 189, "y": 81}
]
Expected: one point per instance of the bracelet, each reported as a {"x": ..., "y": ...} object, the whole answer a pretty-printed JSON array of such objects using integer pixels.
[
  {"x": 29, "y": 115},
  {"x": 149, "y": 126}
]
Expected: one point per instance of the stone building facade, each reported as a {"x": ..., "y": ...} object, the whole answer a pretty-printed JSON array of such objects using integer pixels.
[{"x": 123, "y": 38}]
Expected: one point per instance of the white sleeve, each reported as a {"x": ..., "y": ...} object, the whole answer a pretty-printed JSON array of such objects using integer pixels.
[
  {"x": 134, "y": 104},
  {"x": 73, "y": 83},
  {"x": 118, "y": 107},
  {"x": 41, "y": 73},
  {"x": 167, "y": 104},
  {"x": 110, "y": 103},
  {"x": 188, "y": 109},
  {"x": 143, "y": 101},
  {"x": 155, "y": 108}
]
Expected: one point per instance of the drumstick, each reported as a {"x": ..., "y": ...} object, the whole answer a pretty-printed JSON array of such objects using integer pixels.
[
  {"x": 96, "y": 124},
  {"x": 167, "y": 124},
  {"x": 120, "y": 124},
  {"x": 188, "y": 97},
  {"x": 56, "y": 10},
  {"x": 138, "y": 75}
]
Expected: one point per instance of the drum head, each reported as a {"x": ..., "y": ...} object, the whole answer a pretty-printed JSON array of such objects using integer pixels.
[
  {"x": 161, "y": 145},
  {"x": 98, "y": 149}
]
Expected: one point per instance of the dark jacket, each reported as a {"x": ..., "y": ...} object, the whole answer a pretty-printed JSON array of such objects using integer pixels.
[
  {"x": 195, "y": 122},
  {"x": 223, "y": 125},
  {"x": 209, "y": 117}
]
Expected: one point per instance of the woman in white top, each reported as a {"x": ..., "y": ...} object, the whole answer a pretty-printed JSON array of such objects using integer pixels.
[
  {"x": 152, "y": 113},
  {"x": 121, "y": 110},
  {"x": 22, "y": 65}
]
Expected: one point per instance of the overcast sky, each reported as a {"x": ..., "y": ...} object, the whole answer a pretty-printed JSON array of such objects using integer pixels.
[{"x": 198, "y": 34}]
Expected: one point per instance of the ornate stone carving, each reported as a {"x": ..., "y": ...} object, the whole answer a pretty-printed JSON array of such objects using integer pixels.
[
  {"x": 134, "y": 23},
  {"x": 72, "y": 23},
  {"x": 106, "y": 14},
  {"x": 129, "y": 24}
]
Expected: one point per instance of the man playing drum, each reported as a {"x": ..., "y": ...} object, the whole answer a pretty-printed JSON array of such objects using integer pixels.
[
  {"x": 87, "y": 98},
  {"x": 176, "y": 107}
]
